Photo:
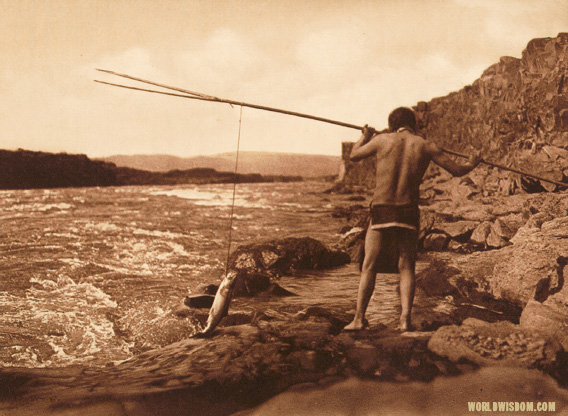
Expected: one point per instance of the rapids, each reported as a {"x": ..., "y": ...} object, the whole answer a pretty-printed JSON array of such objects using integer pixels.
[{"x": 91, "y": 275}]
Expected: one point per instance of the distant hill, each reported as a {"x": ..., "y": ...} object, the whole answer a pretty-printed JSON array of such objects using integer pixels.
[
  {"x": 24, "y": 169},
  {"x": 129, "y": 176},
  {"x": 264, "y": 163}
]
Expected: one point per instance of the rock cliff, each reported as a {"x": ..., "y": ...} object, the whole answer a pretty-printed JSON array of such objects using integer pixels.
[{"x": 516, "y": 113}]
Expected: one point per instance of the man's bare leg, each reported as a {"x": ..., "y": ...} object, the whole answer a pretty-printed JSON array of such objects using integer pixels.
[
  {"x": 407, "y": 242},
  {"x": 373, "y": 242}
]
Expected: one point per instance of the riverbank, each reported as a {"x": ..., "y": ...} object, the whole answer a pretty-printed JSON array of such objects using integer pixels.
[{"x": 243, "y": 366}]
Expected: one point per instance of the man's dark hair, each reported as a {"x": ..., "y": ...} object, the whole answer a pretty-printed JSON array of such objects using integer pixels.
[{"x": 402, "y": 117}]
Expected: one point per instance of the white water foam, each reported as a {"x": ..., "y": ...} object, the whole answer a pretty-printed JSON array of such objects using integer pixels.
[
  {"x": 69, "y": 317},
  {"x": 222, "y": 198}
]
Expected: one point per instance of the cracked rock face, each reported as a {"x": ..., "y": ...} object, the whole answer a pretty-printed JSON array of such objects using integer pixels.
[
  {"x": 496, "y": 344},
  {"x": 515, "y": 113},
  {"x": 535, "y": 266}
]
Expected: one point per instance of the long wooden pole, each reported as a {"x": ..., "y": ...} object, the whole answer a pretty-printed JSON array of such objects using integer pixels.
[
  {"x": 203, "y": 97},
  {"x": 198, "y": 96}
]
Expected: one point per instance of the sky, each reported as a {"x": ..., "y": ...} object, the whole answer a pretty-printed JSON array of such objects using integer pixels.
[{"x": 352, "y": 61}]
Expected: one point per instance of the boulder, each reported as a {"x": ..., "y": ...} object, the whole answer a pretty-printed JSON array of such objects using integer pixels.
[
  {"x": 480, "y": 234},
  {"x": 285, "y": 256},
  {"x": 550, "y": 314},
  {"x": 207, "y": 289},
  {"x": 435, "y": 242},
  {"x": 496, "y": 344},
  {"x": 199, "y": 301},
  {"x": 497, "y": 235},
  {"x": 459, "y": 230},
  {"x": 428, "y": 219},
  {"x": 530, "y": 267},
  {"x": 555, "y": 205},
  {"x": 454, "y": 294},
  {"x": 250, "y": 283},
  {"x": 460, "y": 189},
  {"x": 549, "y": 318}
]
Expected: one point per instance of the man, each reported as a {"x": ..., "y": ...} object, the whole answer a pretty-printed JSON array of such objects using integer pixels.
[{"x": 402, "y": 159}]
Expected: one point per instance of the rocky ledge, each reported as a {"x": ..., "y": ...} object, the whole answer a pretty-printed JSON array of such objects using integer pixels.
[{"x": 242, "y": 366}]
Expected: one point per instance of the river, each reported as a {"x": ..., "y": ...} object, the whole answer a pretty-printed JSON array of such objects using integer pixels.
[{"x": 92, "y": 275}]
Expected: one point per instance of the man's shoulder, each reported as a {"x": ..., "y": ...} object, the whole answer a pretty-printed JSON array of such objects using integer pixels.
[{"x": 431, "y": 147}]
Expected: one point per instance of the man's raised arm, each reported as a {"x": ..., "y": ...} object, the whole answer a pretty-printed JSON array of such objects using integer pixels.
[
  {"x": 456, "y": 169},
  {"x": 364, "y": 146}
]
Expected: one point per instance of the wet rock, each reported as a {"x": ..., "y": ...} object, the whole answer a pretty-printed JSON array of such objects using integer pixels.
[
  {"x": 364, "y": 358},
  {"x": 240, "y": 318},
  {"x": 285, "y": 256},
  {"x": 341, "y": 212},
  {"x": 182, "y": 311},
  {"x": 336, "y": 320},
  {"x": 250, "y": 283},
  {"x": 277, "y": 290},
  {"x": 207, "y": 289},
  {"x": 245, "y": 364},
  {"x": 496, "y": 344},
  {"x": 438, "y": 279},
  {"x": 305, "y": 360},
  {"x": 199, "y": 301}
]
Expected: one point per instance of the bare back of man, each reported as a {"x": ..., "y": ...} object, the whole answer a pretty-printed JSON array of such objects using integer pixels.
[{"x": 402, "y": 159}]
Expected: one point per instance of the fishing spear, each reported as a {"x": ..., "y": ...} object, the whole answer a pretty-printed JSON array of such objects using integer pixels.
[{"x": 203, "y": 97}]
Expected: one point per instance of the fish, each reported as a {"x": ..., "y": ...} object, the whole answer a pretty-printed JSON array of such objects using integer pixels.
[{"x": 220, "y": 307}]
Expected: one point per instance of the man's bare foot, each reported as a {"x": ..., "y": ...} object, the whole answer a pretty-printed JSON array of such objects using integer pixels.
[
  {"x": 405, "y": 325},
  {"x": 356, "y": 325}
]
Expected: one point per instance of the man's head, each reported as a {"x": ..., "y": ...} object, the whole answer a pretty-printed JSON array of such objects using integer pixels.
[{"x": 402, "y": 117}]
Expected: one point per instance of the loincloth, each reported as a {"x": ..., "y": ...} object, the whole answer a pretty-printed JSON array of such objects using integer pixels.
[{"x": 387, "y": 216}]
